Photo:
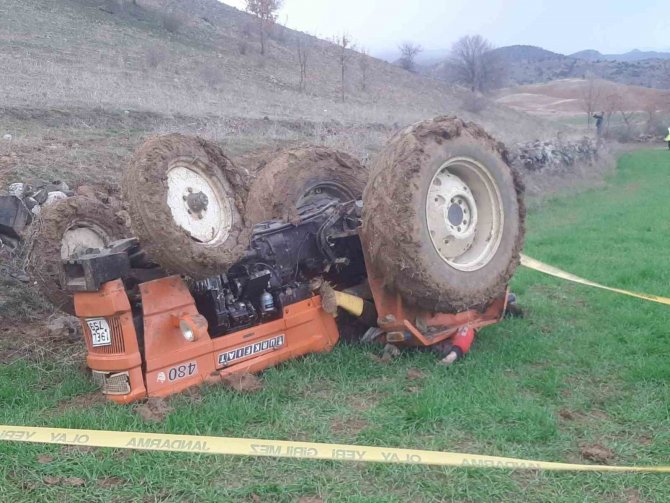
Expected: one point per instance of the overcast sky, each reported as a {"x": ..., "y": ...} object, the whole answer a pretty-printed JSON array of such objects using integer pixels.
[{"x": 564, "y": 26}]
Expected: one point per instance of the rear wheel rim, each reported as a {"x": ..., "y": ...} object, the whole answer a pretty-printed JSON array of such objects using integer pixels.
[
  {"x": 80, "y": 237},
  {"x": 464, "y": 214},
  {"x": 199, "y": 204},
  {"x": 331, "y": 190}
]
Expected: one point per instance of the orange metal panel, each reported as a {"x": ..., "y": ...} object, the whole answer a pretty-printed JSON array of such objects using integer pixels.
[
  {"x": 171, "y": 362},
  {"x": 395, "y": 316},
  {"x": 123, "y": 354}
]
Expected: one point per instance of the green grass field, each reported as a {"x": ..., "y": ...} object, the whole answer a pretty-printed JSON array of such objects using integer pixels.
[{"x": 585, "y": 368}]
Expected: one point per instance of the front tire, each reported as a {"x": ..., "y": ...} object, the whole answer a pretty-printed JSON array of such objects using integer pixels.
[
  {"x": 288, "y": 178},
  {"x": 443, "y": 216},
  {"x": 67, "y": 228},
  {"x": 186, "y": 201}
]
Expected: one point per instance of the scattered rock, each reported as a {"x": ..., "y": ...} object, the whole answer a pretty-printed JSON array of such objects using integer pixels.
[
  {"x": 17, "y": 189},
  {"x": 597, "y": 453},
  {"x": 556, "y": 156},
  {"x": 54, "y": 196},
  {"x": 7, "y": 137},
  {"x": 41, "y": 195},
  {"x": 391, "y": 352},
  {"x": 244, "y": 382},
  {"x": 154, "y": 410},
  {"x": 64, "y": 327}
]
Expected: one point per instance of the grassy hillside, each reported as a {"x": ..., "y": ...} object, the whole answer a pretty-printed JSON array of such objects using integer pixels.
[
  {"x": 84, "y": 82},
  {"x": 584, "y": 374},
  {"x": 84, "y": 53}
]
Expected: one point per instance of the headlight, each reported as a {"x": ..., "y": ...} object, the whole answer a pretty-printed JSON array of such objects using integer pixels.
[{"x": 186, "y": 330}]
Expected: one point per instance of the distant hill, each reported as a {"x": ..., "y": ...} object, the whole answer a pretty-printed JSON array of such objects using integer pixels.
[
  {"x": 528, "y": 64},
  {"x": 634, "y": 55},
  {"x": 526, "y": 53}
]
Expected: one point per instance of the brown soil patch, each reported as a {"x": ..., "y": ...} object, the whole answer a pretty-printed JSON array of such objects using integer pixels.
[
  {"x": 82, "y": 402},
  {"x": 64, "y": 481},
  {"x": 154, "y": 410},
  {"x": 310, "y": 499},
  {"x": 44, "y": 459},
  {"x": 348, "y": 426},
  {"x": 244, "y": 383},
  {"x": 110, "y": 482},
  {"x": 415, "y": 374},
  {"x": 596, "y": 453},
  {"x": 363, "y": 402},
  {"x": 632, "y": 495},
  {"x": 77, "y": 449}
]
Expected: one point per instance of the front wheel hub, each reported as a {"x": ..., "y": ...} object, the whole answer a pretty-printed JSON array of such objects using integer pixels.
[
  {"x": 198, "y": 203},
  {"x": 464, "y": 214}
]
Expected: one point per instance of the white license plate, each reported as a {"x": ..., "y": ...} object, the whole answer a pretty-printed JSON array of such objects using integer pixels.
[{"x": 101, "y": 335}]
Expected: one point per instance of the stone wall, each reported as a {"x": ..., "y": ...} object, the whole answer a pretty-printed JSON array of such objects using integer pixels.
[{"x": 553, "y": 156}]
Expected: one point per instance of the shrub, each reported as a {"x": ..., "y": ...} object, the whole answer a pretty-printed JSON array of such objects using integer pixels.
[
  {"x": 173, "y": 21},
  {"x": 474, "y": 103}
]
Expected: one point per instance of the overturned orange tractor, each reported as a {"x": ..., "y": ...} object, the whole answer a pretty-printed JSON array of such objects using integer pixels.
[{"x": 235, "y": 269}]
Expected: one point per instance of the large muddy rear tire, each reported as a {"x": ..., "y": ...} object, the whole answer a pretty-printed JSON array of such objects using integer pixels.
[
  {"x": 443, "y": 216},
  {"x": 64, "y": 229},
  {"x": 287, "y": 178},
  {"x": 186, "y": 201}
]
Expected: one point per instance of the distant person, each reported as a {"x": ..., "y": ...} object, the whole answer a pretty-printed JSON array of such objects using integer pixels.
[
  {"x": 667, "y": 138},
  {"x": 599, "y": 122}
]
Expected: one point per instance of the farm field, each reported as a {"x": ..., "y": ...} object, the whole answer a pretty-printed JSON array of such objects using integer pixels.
[{"x": 582, "y": 378}]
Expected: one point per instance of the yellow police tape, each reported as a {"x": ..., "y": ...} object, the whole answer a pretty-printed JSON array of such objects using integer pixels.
[
  {"x": 289, "y": 449},
  {"x": 536, "y": 265}
]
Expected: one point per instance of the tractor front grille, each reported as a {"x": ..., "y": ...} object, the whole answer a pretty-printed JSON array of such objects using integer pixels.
[
  {"x": 112, "y": 384},
  {"x": 116, "y": 347}
]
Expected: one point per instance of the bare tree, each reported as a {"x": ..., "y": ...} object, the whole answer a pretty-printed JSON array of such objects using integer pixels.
[
  {"x": 626, "y": 115},
  {"x": 344, "y": 42},
  {"x": 364, "y": 66},
  {"x": 266, "y": 14},
  {"x": 476, "y": 65},
  {"x": 408, "y": 53},
  {"x": 610, "y": 107},
  {"x": 302, "y": 46},
  {"x": 592, "y": 95}
]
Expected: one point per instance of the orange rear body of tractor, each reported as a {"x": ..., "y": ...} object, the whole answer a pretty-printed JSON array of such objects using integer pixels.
[{"x": 162, "y": 361}]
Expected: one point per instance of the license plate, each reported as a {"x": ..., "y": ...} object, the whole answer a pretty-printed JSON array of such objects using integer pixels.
[{"x": 101, "y": 335}]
